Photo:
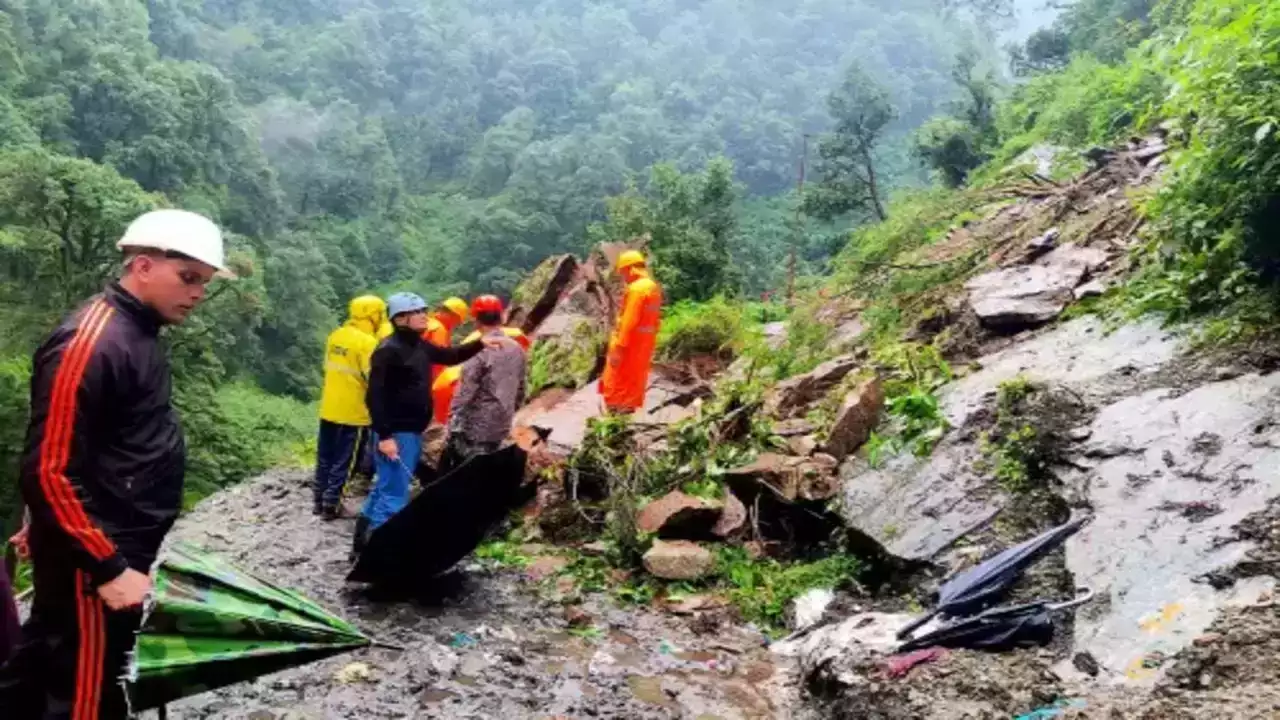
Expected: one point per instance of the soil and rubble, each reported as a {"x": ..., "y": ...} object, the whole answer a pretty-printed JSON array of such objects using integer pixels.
[
  {"x": 493, "y": 644},
  {"x": 1172, "y": 453}
]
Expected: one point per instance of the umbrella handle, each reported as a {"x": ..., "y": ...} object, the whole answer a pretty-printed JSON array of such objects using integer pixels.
[
  {"x": 1083, "y": 595},
  {"x": 916, "y": 624}
]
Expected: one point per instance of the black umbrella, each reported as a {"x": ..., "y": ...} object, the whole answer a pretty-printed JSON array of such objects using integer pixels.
[
  {"x": 997, "y": 629},
  {"x": 982, "y": 585},
  {"x": 447, "y": 520}
]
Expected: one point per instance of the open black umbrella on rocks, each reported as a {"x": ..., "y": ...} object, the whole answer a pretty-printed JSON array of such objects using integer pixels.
[
  {"x": 982, "y": 585},
  {"x": 445, "y": 522}
]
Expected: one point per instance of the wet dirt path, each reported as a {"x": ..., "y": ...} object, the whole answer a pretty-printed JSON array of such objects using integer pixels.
[{"x": 490, "y": 646}]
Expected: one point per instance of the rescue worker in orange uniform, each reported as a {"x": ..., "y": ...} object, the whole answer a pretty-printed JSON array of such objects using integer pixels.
[
  {"x": 626, "y": 374},
  {"x": 441, "y": 324}
]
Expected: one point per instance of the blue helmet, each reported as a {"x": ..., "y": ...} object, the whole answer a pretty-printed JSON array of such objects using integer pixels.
[{"x": 405, "y": 302}]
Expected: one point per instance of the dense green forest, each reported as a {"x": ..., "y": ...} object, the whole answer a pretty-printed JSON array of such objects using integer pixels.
[
  {"x": 357, "y": 145},
  {"x": 443, "y": 147}
]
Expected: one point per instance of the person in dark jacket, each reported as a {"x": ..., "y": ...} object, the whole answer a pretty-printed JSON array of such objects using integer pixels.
[
  {"x": 102, "y": 472},
  {"x": 399, "y": 400}
]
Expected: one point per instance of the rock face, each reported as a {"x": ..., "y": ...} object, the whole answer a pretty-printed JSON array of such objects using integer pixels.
[
  {"x": 568, "y": 419},
  {"x": 794, "y": 393},
  {"x": 1029, "y": 295},
  {"x": 917, "y": 507},
  {"x": 677, "y": 515},
  {"x": 1174, "y": 474},
  {"x": 678, "y": 560},
  {"x": 857, "y": 417}
]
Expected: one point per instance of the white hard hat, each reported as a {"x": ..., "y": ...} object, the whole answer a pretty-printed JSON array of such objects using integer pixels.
[{"x": 180, "y": 231}]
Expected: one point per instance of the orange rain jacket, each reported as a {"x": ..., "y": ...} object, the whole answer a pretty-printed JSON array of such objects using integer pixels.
[
  {"x": 626, "y": 375},
  {"x": 446, "y": 384},
  {"x": 440, "y": 334}
]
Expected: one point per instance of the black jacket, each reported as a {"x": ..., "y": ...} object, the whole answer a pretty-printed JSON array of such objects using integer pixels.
[
  {"x": 104, "y": 459},
  {"x": 399, "y": 394}
]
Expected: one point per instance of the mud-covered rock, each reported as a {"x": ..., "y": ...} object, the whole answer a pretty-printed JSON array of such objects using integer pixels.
[
  {"x": 794, "y": 393},
  {"x": 678, "y": 560},
  {"x": 677, "y": 515},
  {"x": 857, "y": 417},
  {"x": 791, "y": 478}
]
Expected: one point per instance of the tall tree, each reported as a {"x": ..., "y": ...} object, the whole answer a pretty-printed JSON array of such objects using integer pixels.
[{"x": 850, "y": 181}]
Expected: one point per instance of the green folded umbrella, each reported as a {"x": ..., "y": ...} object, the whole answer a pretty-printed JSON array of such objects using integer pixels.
[{"x": 210, "y": 624}]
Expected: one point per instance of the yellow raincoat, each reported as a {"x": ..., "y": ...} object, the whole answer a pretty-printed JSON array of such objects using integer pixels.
[{"x": 347, "y": 355}]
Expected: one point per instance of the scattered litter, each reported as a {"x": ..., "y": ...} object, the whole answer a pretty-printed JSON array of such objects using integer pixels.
[
  {"x": 900, "y": 665},
  {"x": 484, "y": 631},
  {"x": 666, "y": 648},
  {"x": 462, "y": 640},
  {"x": 354, "y": 672},
  {"x": 810, "y": 607},
  {"x": 1057, "y": 709}
]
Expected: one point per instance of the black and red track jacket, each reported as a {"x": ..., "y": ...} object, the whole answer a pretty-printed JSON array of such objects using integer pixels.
[{"x": 103, "y": 465}]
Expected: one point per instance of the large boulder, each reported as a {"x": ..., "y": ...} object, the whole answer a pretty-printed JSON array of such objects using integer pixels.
[
  {"x": 1178, "y": 482},
  {"x": 917, "y": 507},
  {"x": 678, "y": 560},
  {"x": 1028, "y": 295},
  {"x": 677, "y": 515},
  {"x": 857, "y": 417},
  {"x": 792, "y": 394}
]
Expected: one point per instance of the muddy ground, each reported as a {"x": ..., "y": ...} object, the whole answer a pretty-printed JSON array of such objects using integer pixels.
[{"x": 492, "y": 644}]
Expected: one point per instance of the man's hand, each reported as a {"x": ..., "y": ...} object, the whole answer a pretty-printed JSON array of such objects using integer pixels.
[
  {"x": 128, "y": 590},
  {"x": 20, "y": 543},
  {"x": 492, "y": 343},
  {"x": 389, "y": 448}
]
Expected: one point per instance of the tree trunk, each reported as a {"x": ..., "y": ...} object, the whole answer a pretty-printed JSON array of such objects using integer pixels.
[{"x": 873, "y": 186}]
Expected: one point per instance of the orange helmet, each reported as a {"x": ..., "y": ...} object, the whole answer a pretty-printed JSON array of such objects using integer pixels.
[{"x": 486, "y": 304}]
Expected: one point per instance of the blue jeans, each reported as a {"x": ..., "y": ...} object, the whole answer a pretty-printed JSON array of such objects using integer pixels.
[
  {"x": 391, "y": 484},
  {"x": 337, "y": 453}
]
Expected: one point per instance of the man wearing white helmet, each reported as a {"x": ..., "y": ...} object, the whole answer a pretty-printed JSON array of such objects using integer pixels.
[{"x": 102, "y": 471}]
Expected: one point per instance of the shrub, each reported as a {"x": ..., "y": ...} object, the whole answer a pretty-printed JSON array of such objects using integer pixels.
[{"x": 689, "y": 329}]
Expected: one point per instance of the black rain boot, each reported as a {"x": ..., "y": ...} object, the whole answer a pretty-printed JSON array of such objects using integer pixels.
[
  {"x": 330, "y": 512},
  {"x": 358, "y": 539},
  {"x": 317, "y": 507}
]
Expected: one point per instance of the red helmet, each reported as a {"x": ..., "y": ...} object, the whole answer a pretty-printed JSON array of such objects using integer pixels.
[{"x": 486, "y": 304}]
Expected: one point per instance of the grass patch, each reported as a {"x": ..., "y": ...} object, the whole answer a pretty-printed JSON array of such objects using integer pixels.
[
  {"x": 913, "y": 374},
  {"x": 716, "y": 327},
  {"x": 763, "y": 589}
]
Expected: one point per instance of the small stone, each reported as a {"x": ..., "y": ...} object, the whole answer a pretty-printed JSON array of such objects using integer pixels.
[
  {"x": 1207, "y": 639},
  {"x": 545, "y": 566},
  {"x": 732, "y": 517},
  {"x": 677, "y": 515},
  {"x": 1226, "y": 373},
  {"x": 802, "y": 445},
  {"x": 577, "y": 617},
  {"x": 678, "y": 560},
  {"x": 1094, "y": 288},
  {"x": 594, "y": 549},
  {"x": 1081, "y": 433}
]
